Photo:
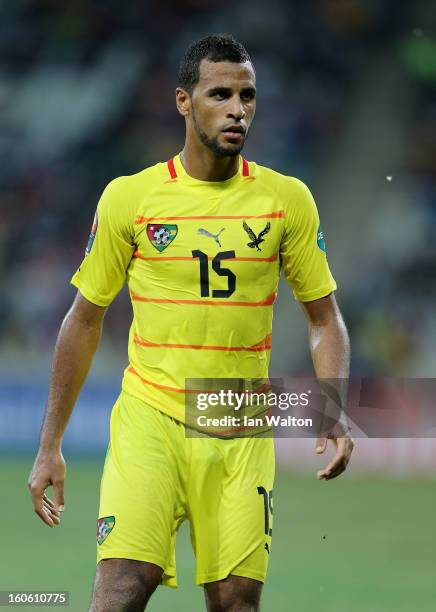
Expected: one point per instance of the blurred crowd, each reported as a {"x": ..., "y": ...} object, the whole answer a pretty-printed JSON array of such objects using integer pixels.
[
  {"x": 87, "y": 94},
  {"x": 397, "y": 335}
]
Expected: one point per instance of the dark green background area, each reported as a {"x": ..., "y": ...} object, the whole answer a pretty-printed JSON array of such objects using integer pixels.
[{"x": 354, "y": 544}]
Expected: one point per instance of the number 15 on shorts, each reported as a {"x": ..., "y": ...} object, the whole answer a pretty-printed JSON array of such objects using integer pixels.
[{"x": 268, "y": 508}]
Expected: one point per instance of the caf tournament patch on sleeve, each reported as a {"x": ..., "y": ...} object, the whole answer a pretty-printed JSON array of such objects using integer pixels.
[
  {"x": 320, "y": 239},
  {"x": 92, "y": 234}
]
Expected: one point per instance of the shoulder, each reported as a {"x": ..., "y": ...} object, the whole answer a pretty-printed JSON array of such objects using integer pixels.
[
  {"x": 293, "y": 194},
  {"x": 140, "y": 183},
  {"x": 289, "y": 188},
  {"x": 124, "y": 195}
]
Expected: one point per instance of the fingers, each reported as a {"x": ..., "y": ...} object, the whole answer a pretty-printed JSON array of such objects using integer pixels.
[
  {"x": 46, "y": 510},
  {"x": 321, "y": 445},
  {"x": 339, "y": 461},
  {"x": 41, "y": 507},
  {"x": 44, "y": 506},
  {"x": 51, "y": 512},
  {"x": 58, "y": 494},
  {"x": 51, "y": 506},
  {"x": 48, "y": 469},
  {"x": 335, "y": 468}
]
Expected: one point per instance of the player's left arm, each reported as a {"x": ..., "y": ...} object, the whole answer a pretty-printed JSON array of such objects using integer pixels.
[
  {"x": 330, "y": 349},
  {"x": 304, "y": 263}
]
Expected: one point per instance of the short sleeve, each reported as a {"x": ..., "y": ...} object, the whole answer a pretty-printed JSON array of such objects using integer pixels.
[
  {"x": 302, "y": 250},
  {"x": 102, "y": 272}
]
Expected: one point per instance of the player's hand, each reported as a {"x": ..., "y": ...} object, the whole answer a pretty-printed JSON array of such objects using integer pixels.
[
  {"x": 48, "y": 469},
  {"x": 344, "y": 448}
]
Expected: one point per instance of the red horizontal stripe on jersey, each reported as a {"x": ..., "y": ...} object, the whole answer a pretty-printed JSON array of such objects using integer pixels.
[
  {"x": 266, "y": 302},
  {"x": 263, "y": 345},
  {"x": 279, "y": 214},
  {"x": 146, "y": 381},
  {"x": 154, "y": 384},
  {"x": 225, "y": 433},
  {"x": 163, "y": 258}
]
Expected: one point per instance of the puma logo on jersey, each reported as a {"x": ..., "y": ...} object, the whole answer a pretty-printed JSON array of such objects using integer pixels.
[
  {"x": 256, "y": 240},
  {"x": 204, "y": 232}
]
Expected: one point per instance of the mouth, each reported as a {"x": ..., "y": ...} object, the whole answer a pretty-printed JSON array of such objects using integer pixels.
[{"x": 234, "y": 132}]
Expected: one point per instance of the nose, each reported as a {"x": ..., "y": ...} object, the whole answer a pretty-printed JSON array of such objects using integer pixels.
[{"x": 236, "y": 109}]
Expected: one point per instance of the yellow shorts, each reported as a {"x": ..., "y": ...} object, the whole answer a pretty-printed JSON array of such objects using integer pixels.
[{"x": 155, "y": 477}]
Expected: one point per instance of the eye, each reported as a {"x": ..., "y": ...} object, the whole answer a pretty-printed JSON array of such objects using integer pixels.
[
  {"x": 220, "y": 95},
  {"x": 247, "y": 96}
]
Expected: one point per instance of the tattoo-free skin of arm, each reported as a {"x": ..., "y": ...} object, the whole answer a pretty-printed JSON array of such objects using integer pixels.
[
  {"x": 75, "y": 348},
  {"x": 330, "y": 349}
]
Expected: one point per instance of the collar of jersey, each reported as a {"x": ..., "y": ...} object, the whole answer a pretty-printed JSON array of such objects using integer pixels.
[{"x": 183, "y": 175}]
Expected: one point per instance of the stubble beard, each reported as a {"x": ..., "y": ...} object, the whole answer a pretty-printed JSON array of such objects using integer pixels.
[{"x": 213, "y": 144}]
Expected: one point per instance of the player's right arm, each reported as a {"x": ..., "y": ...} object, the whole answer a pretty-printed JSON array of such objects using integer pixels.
[
  {"x": 99, "y": 278},
  {"x": 76, "y": 345}
]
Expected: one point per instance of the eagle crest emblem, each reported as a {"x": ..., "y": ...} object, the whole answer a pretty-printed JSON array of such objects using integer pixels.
[{"x": 256, "y": 240}]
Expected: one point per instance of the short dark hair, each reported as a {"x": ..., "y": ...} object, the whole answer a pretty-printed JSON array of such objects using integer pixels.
[{"x": 215, "y": 48}]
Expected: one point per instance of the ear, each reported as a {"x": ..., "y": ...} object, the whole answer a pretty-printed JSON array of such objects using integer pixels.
[{"x": 183, "y": 101}]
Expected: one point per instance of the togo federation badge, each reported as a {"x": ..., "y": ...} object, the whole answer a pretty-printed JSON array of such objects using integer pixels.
[
  {"x": 161, "y": 235},
  {"x": 104, "y": 527}
]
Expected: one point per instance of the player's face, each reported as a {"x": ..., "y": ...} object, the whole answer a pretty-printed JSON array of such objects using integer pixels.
[{"x": 223, "y": 104}]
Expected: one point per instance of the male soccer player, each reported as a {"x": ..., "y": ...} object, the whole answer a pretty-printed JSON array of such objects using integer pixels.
[{"x": 200, "y": 240}]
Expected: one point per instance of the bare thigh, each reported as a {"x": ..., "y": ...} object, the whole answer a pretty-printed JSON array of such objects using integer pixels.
[
  {"x": 233, "y": 594},
  {"x": 124, "y": 585}
]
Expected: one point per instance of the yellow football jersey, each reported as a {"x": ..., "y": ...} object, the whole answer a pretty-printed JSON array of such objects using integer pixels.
[{"x": 202, "y": 262}]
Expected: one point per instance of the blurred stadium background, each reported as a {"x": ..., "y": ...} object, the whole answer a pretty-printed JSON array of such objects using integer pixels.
[{"x": 346, "y": 102}]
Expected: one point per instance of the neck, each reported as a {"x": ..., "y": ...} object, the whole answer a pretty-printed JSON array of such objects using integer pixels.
[{"x": 201, "y": 163}]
